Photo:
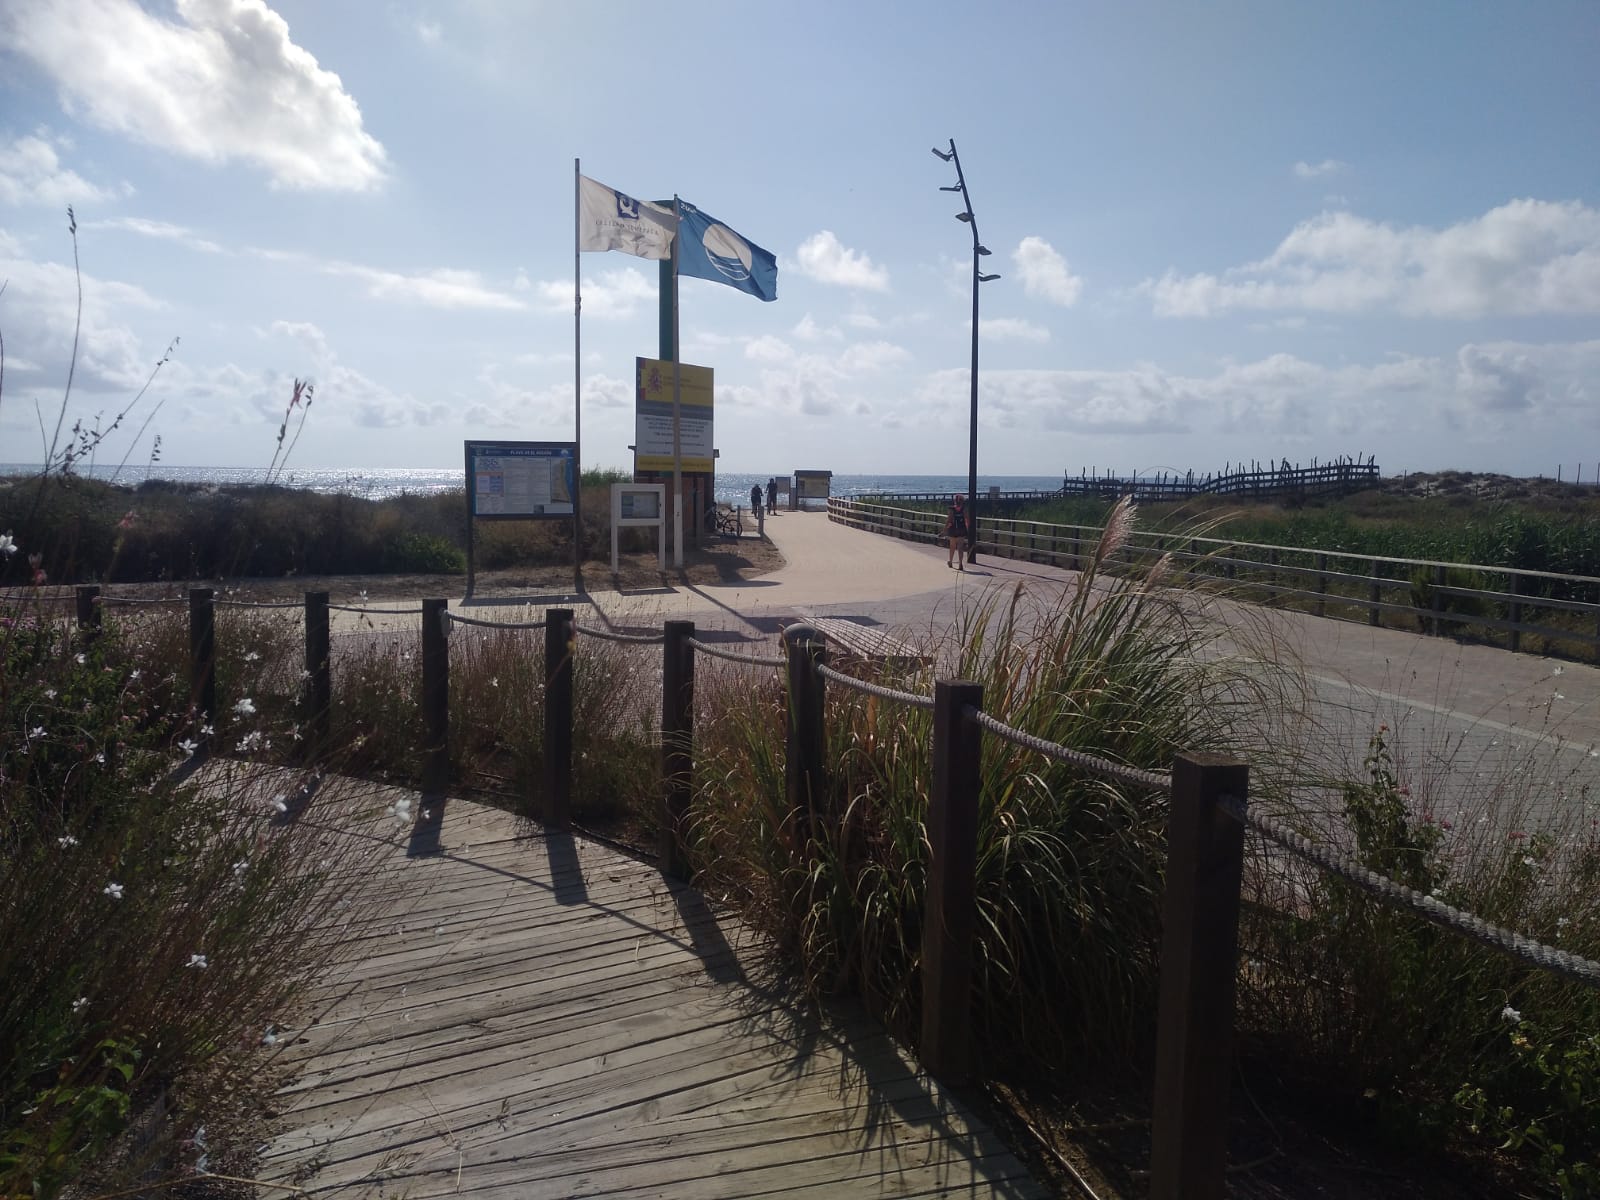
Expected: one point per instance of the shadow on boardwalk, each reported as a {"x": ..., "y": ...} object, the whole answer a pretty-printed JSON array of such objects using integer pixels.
[{"x": 534, "y": 1015}]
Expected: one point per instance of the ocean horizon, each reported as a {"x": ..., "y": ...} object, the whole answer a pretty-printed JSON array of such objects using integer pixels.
[{"x": 378, "y": 483}]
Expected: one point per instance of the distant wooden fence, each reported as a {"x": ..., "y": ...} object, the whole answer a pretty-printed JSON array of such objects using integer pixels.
[
  {"x": 1499, "y": 605},
  {"x": 1320, "y": 479}
]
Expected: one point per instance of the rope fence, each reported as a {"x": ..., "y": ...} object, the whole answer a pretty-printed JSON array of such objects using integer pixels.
[
  {"x": 1199, "y": 965},
  {"x": 479, "y": 623},
  {"x": 606, "y": 635},
  {"x": 734, "y": 656},
  {"x": 225, "y": 603},
  {"x": 375, "y": 612},
  {"x": 910, "y": 699},
  {"x": 141, "y": 600},
  {"x": 1381, "y": 887}
]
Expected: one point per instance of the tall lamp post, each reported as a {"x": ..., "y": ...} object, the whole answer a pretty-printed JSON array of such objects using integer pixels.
[{"x": 979, "y": 250}]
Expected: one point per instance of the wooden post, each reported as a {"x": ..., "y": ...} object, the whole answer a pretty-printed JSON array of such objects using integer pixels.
[
  {"x": 951, "y": 906},
  {"x": 677, "y": 744},
  {"x": 1322, "y": 585},
  {"x": 802, "y": 771},
  {"x": 1199, "y": 951},
  {"x": 203, "y": 665},
  {"x": 558, "y": 639},
  {"x": 1374, "y": 617},
  {"x": 89, "y": 611},
  {"x": 435, "y": 697},
  {"x": 318, "y": 697}
]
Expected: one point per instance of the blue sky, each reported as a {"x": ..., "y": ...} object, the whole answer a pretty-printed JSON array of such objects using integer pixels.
[{"x": 1225, "y": 231}]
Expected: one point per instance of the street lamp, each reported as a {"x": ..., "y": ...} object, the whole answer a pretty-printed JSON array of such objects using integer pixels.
[{"x": 979, "y": 250}]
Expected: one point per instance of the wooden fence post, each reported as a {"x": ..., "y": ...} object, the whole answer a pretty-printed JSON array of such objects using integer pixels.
[
  {"x": 1199, "y": 952},
  {"x": 203, "y": 666},
  {"x": 802, "y": 769},
  {"x": 950, "y": 909},
  {"x": 88, "y": 611},
  {"x": 677, "y": 744},
  {"x": 558, "y": 639},
  {"x": 435, "y": 697},
  {"x": 318, "y": 697}
]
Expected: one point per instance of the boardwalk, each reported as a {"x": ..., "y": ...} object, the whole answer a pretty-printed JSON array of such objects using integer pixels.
[{"x": 521, "y": 1015}]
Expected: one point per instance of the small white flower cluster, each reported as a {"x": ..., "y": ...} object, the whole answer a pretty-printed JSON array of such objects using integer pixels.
[
  {"x": 198, "y": 962},
  {"x": 250, "y": 741},
  {"x": 245, "y": 708},
  {"x": 1510, "y": 1014},
  {"x": 401, "y": 809},
  {"x": 8, "y": 545},
  {"x": 114, "y": 890}
]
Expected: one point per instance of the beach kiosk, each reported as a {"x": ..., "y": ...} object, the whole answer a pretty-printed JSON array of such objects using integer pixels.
[{"x": 811, "y": 485}]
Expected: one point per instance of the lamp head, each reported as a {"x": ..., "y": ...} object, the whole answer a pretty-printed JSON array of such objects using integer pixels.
[
  {"x": 987, "y": 278},
  {"x": 943, "y": 155},
  {"x": 963, "y": 216},
  {"x": 952, "y": 188},
  {"x": 984, "y": 250}
]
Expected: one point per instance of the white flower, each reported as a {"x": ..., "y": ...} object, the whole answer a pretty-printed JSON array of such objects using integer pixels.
[
  {"x": 249, "y": 741},
  {"x": 207, "y": 730},
  {"x": 67, "y": 842},
  {"x": 80, "y": 1003},
  {"x": 100, "y": 758},
  {"x": 1557, "y": 696},
  {"x": 36, "y": 732},
  {"x": 1556, "y": 670},
  {"x": 1563, "y": 922},
  {"x": 188, "y": 746},
  {"x": 270, "y": 1037},
  {"x": 304, "y": 675},
  {"x": 280, "y": 804},
  {"x": 1527, "y": 860},
  {"x": 114, "y": 890},
  {"x": 252, "y": 656},
  {"x": 1510, "y": 1014},
  {"x": 198, "y": 962},
  {"x": 245, "y": 708},
  {"x": 49, "y": 693},
  {"x": 8, "y": 546},
  {"x": 134, "y": 674},
  {"x": 240, "y": 867},
  {"x": 82, "y": 658}
]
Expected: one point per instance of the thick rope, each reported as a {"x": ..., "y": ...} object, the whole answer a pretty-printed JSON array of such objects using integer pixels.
[
  {"x": 141, "y": 600},
  {"x": 1496, "y": 937},
  {"x": 376, "y": 612},
  {"x": 1158, "y": 781},
  {"x": 605, "y": 635},
  {"x": 259, "y": 603},
  {"x": 482, "y": 624},
  {"x": 875, "y": 689},
  {"x": 750, "y": 660}
]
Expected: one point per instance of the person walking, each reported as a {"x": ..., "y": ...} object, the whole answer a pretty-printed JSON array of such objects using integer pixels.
[
  {"x": 955, "y": 532},
  {"x": 755, "y": 501},
  {"x": 772, "y": 495}
]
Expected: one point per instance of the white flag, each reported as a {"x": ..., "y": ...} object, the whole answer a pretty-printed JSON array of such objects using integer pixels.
[{"x": 612, "y": 220}]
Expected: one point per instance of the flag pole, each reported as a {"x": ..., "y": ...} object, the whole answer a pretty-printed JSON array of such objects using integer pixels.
[
  {"x": 677, "y": 396},
  {"x": 577, "y": 384}
]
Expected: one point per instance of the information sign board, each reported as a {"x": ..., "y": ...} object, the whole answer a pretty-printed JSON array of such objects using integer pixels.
[
  {"x": 520, "y": 479},
  {"x": 653, "y": 416}
]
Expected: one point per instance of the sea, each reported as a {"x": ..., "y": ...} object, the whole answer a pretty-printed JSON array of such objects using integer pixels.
[{"x": 377, "y": 483}]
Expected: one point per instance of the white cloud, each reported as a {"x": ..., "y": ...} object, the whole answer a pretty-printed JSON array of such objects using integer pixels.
[
  {"x": 1523, "y": 258},
  {"x": 823, "y": 258},
  {"x": 872, "y": 356},
  {"x": 429, "y": 33},
  {"x": 1045, "y": 274},
  {"x": 161, "y": 230},
  {"x": 222, "y": 82},
  {"x": 1011, "y": 329},
  {"x": 609, "y": 295},
  {"x": 443, "y": 287},
  {"x": 806, "y": 329},
  {"x": 31, "y": 173},
  {"x": 768, "y": 349},
  {"x": 1328, "y": 166}
]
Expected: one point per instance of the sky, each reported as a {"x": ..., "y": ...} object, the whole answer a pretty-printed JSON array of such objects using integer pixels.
[{"x": 1224, "y": 232}]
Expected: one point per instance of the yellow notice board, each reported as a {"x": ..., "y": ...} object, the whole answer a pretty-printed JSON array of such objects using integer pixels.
[{"x": 653, "y": 416}]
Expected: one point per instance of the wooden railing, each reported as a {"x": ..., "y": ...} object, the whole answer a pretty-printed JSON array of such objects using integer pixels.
[{"x": 1500, "y": 605}]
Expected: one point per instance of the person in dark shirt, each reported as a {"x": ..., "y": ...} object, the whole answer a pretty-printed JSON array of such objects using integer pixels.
[{"x": 955, "y": 531}]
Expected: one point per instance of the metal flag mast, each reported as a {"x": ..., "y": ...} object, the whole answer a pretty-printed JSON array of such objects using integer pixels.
[
  {"x": 577, "y": 382},
  {"x": 677, "y": 397}
]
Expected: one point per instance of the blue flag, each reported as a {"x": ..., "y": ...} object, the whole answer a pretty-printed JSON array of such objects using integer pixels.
[{"x": 708, "y": 249}]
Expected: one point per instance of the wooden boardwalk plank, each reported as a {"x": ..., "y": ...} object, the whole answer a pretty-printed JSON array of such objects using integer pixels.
[{"x": 526, "y": 1015}]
